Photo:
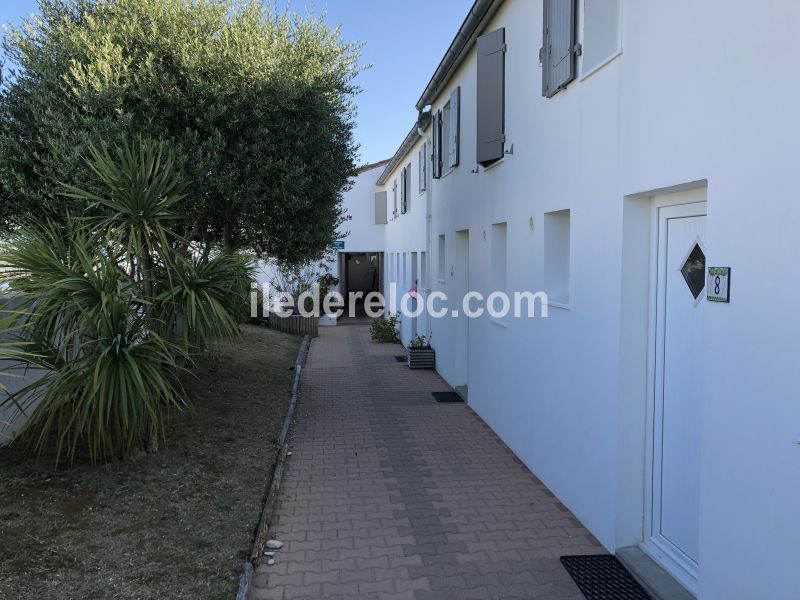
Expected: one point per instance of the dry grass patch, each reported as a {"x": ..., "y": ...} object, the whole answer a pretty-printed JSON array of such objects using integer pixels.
[{"x": 177, "y": 524}]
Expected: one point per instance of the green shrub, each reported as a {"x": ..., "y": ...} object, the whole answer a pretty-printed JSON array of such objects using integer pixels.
[
  {"x": 114, "y": 308},
  {"x": 386, "y": 330}
]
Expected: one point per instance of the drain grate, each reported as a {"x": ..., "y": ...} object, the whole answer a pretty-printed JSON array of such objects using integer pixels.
[
  {"x": 603, "y": 577},
  {"x": 447, "y": 397}
]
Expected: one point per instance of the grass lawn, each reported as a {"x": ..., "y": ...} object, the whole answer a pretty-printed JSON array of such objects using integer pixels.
[{"x": 176, "y": 524}]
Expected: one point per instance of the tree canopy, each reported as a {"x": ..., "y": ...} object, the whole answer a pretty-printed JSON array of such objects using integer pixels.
[{"x": 256, "y": 104}]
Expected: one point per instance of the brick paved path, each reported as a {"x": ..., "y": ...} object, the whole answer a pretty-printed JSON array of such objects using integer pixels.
[{"x": 391, "y": 495}]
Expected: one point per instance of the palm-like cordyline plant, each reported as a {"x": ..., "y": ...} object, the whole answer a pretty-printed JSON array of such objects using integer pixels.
[
  {"x": 102, "y": 300},
  {"x": 143, "y": 190},
  {"x": 107, "y": 377}
]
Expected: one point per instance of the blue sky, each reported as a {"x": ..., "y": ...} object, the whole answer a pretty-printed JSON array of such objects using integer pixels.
[{"x": 405, "y": 39}]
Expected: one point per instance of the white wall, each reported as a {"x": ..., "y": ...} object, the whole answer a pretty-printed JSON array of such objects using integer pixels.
[
  {"x": 359, "y": 202},
  {"x": 406, "y": 234},
  {"x": 13, "y": 378},
  {"x": 360, "y": 233},
  {"x": 703, "y": 93},
  {"x": 721, "y": 106},
  {"x": 543, "y": 385}
]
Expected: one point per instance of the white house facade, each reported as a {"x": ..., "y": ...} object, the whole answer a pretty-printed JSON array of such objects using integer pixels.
[{"x": 622, "y": 156}]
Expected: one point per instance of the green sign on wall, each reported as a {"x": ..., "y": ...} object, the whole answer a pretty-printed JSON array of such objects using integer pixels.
[{"x": 338, "y": 245}]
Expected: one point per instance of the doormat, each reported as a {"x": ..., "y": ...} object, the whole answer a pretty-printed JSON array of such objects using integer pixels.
[
  {"x": 401, "y": 358},
  {"x": 603, "y": 577},
  {"x": 447, "y": 397}
]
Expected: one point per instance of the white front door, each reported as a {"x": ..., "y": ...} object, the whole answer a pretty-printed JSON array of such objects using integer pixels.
[{"x": 674, "y": 467}]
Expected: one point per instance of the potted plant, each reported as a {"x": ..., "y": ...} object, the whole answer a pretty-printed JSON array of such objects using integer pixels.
[{"x": 420, "y": 354}]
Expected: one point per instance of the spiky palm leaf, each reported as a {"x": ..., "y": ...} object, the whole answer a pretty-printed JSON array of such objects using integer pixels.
[
  {"x": 144, "y": 187},
  {"x": 108, "y": 376},
  {"x": 199, "y": 300},
  {"x": 107, "y": 395}
]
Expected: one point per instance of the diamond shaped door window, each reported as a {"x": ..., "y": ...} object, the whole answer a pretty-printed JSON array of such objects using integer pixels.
[{"x": 694, "y": 271}]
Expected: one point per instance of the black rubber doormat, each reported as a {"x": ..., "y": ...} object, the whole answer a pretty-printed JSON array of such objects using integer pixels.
[
  {"x": 603, "y": 577},
  {"x": 447, "y": 397},
  {"x": 401, "y": 358}
]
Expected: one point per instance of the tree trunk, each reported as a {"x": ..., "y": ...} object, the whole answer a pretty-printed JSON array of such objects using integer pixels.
[
  {"x": 152, "y": 439},
  {"x": 227, "y": 239},
  {"x": 148, "y": 285}
]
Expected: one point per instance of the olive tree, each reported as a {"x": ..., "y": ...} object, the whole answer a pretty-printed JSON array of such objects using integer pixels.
[{"x": 257, "y": 104}]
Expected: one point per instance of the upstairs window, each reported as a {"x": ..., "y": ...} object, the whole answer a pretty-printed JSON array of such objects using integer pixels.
[
  {"x": 436, "y": 145},
  {"x": 491, "y": 97},
  {"x": 446, "y": 134},
  {"x": 422, "y": 168},
  {"x": 557, "y": 54},
  {"x": 405, "y": 189},
  {"x": 452, "y": 116},
  {"x": 394, "y": 197},
  {"x": 601, "y": 33}
]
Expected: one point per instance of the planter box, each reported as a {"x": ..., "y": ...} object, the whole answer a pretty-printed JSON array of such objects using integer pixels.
[
  {"x": 421, "y": 358},
  {"x": 295, "y": 324}
]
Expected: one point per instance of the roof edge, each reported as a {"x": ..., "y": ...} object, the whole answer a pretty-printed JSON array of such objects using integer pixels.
[
  {"x": 370, "y": 166},
  {"x": 481, "y": 11},
  {"x": 409, "y": 141}
]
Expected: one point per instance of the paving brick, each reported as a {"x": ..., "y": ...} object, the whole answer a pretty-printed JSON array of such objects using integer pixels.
[{"x": 391, "y": 496}]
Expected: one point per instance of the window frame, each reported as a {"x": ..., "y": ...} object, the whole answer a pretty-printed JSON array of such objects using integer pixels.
[
  {"x": 422, "y": 166},
  {"x": 586, "y": 73},
  {"x": 441, "y": 258}
]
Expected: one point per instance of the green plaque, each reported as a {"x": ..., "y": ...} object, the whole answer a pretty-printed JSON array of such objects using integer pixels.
[{"x": 338, "y": 245}]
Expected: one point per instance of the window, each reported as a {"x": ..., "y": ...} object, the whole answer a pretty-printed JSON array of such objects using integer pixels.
[
  {"x": 694, "y": 271},
  {"x": 499, "y": 257},
  {"x": 557, "y": 256},
  {"x": 423, "y": 270},
  {"x": 601, "y": 32},
  {"x": 444, "y": 159},
  {"x": 446, "y": 134},
  {"x": 403, "y": 191},
  {"x": 452, "y": 119},
  {"x": 491, "y": 97},
  {"x": 422, "y": 168},
  {"x": 394, "y": 196},
  {"x": 557, "y": 54},
  {"x": 380, "y": 208},
  {"x": 436, "y": 139},
  {"x": 407, "y": 188},
  {"x": 442, "y": 267}
]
